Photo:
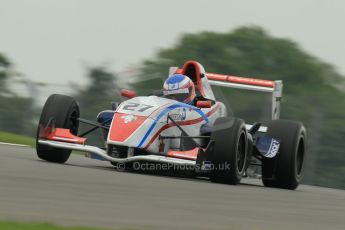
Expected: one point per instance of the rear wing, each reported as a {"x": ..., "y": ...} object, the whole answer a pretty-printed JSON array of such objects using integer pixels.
[{"x": 267, "y": 86}]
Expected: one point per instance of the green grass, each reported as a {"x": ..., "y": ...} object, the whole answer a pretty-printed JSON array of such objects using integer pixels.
[
  {"x": 16, "y": 139},
  {"x": 10, "y": 225},
  {"x": 24, "y": 140}
]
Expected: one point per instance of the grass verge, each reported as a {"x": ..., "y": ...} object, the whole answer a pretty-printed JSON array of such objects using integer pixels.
[
  {"x": 16, "y": 139},
  {"x": 10, "y": 225},
  {"x": 24, "y": 140}
]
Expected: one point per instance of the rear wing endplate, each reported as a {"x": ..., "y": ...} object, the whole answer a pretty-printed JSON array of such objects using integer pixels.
[{"x": 268, "y": 86}]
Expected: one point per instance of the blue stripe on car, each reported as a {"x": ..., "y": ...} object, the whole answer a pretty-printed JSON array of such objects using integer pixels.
[{"x": 165, "y": 111}]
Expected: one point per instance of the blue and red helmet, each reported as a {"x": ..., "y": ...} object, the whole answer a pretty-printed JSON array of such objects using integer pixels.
[{"x": 179, "y": 87}]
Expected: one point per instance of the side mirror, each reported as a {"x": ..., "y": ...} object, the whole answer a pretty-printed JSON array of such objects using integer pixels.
[
  {"x": 128, "y": 93},
  {"x": 203, "y": 104}
]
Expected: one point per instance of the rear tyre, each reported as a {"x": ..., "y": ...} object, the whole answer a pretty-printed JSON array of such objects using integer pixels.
[
  {"x": 286, "y": 169},
  {"x": 65, "y": 111},
  {"x": 229, "y": 157}
]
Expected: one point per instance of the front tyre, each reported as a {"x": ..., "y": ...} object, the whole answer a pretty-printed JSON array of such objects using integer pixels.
[
  {"x": 65, "y": 111},
  {"x": 286, "y": 169},
  {"x": 229, "y": 157}
]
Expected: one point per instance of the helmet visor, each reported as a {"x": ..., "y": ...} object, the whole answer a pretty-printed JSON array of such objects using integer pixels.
[{"x": 179, "y": 94}]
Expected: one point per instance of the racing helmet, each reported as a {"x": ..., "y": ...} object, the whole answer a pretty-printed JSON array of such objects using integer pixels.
[{"x": 179, "y": 87}]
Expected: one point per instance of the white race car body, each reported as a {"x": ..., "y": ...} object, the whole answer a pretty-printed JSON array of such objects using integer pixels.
[
  {"x": 149, "y": 128},
  {"x": 198, "y": 137},
  {"x": 139, "y": 122}
]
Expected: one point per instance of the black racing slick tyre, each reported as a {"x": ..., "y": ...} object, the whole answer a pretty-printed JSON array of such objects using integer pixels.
[
  {"x": 286, "y": 169},
  {"x": 65, "y": 111},
  {"x": 229, "y": 156}
]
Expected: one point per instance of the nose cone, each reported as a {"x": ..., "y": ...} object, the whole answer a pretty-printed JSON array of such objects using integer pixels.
[{"x": 124, "y": 125}]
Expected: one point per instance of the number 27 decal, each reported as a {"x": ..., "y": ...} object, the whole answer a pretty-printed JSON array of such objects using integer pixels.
[{"x": 137, "y": 107}]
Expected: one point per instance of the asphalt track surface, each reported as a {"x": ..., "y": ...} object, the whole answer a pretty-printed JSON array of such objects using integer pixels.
[{"x": 91, "y": 193}]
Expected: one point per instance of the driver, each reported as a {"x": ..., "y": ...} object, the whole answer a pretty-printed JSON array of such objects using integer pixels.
[{"x": 179, "y": 87}]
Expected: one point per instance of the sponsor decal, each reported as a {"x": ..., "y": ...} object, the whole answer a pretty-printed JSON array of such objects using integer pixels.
[
  {"x": 180, "y": 116},
  {"x": 173, "y": 86},
  {"x": 267, "y": 146},
  {"x": 128, "y": 118},
  {"x": 273, "y": 150},
  {"x": 167, "y": 110}
]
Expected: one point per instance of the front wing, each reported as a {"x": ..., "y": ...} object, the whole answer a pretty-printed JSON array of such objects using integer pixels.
[{"x": 102, "y": 153}]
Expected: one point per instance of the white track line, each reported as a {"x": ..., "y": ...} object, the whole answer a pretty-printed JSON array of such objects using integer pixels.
[{"x": 5, "y": 143}]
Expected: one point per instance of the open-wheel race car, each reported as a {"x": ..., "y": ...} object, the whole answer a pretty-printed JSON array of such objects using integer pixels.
[{"x": 162, "y": 128}]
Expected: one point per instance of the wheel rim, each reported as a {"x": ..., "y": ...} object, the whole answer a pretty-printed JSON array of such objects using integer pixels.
[
  {"x": 300, "y": 157},
  {"x": 241, "y": 153}
]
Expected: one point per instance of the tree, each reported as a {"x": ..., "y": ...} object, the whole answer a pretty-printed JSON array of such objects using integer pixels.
[
  {"x": 16, "y": 112},
  {"x": 310, "y": 92},
  {"x": 99, "y": 93},
  {"x": 103, "y": 88},
  {"x": 5, "y": 66}
]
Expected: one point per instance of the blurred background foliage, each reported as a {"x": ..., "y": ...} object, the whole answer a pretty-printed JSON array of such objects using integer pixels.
[
  {"x": 103, "y": 88},
  {"x": 313, "y": 90},
  {"x": 16, "y": 111}
]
